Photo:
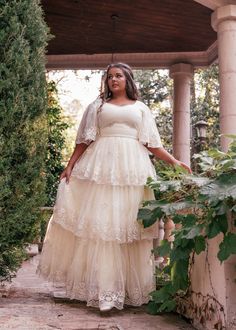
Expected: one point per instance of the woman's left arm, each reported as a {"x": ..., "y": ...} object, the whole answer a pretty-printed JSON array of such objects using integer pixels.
[{"x": 164, "y": 155}]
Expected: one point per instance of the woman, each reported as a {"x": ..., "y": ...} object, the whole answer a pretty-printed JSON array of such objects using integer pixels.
[{"x": 94, "y": 243}]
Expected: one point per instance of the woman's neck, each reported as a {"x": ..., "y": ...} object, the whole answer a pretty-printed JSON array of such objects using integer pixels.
[
  {"x": 119, "y": 98},
  {"x": 120, "y": 101}
]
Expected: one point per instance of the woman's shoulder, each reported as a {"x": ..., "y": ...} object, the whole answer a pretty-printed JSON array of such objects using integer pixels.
[
  {"x": 92, "y": 108},
  {"x": 142, "y": 105},
  {"x": 96, "y": 103}
]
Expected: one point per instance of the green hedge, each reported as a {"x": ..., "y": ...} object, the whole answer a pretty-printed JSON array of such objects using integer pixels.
[{"x": 23, "y": 38}]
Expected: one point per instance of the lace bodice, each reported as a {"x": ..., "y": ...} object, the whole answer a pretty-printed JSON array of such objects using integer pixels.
[{"x": 137, "y": 116}]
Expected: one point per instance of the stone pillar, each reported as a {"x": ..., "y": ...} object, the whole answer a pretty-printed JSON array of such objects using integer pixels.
[
  {"x": 212, "y": 279},
  {"x": 224, "y": 22},
  {"x": 182, "y": 74}
]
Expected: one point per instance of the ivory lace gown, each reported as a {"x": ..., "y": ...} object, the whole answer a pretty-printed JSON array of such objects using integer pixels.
[{"x": 94, "y": 243}]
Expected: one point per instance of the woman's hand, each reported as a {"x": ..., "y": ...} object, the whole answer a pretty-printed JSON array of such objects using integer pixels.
[
  {"x": 78, "y": 151},
  {"x": 66, "y": 174},
  {"x": 185, "y": 166},
  {"x": 162, "y": 154}
]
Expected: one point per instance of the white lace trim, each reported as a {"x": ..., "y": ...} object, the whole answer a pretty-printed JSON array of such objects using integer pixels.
[
  {"x": 115, "y": 161},
  {"x": 95, "y": 297},
  {"x": 112, "y": 176},
  {"x": 87, "y": 136},
  {"x": 88, "y": 127},
  {"x": 149, "y": 134},
  {"x": 83, "y": 228}
]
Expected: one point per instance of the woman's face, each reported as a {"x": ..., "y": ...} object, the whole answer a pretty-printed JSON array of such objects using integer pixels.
[{"x": 116, "y": 80}]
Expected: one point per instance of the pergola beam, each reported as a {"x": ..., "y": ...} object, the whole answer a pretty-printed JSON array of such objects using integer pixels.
[{"x": 136, "y": 60}]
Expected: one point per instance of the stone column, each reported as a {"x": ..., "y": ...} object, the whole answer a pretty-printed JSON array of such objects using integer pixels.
[
  {"x": 224, "y": 22},
  {"x": 182, "y": 74},
  {"x": 208, "y": 276}
]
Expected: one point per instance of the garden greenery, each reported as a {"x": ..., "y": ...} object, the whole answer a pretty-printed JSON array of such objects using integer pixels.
[
  {"x": 203, "y": 206},
  {"x": 56, "y": 125},
  {"x": 23, "y": 38}
]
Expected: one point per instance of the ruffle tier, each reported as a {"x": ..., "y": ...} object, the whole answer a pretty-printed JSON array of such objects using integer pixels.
[
  {"x": 98, "y": 271},
  {"x": 115, "y": 161},
  {"x": 99, "y": 211}
]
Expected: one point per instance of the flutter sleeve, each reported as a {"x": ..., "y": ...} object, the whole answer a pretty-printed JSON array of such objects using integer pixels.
[
  {"x": 88, "y": 128},
  {"x": 148, "y": 134}
]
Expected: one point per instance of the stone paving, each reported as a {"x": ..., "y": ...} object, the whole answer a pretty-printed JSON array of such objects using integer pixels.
[{"x": 30, "y": 304}]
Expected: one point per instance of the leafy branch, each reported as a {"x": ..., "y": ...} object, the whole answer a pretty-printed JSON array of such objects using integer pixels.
[{"x": 201, "y": 207}]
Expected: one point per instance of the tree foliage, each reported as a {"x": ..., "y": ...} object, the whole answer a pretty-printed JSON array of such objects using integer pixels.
[
  {"x": 205, "y": 106},
  {"x": 155, "y": 88},
  {"x": 56, "y": 142},
  {"x": 154, "y": 85},
  {"x": 23, "y": 38}
]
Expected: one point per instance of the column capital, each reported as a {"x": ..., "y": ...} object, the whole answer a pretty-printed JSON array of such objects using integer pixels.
[
  {"x": 225, "y": 13},
  {"x": 184, "y": 69}
]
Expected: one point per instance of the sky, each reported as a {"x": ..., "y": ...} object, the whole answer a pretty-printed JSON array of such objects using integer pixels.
[{"x": 74, "y": 85}]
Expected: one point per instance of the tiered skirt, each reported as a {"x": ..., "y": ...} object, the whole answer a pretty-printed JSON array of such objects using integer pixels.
[{"x": 94, "y": 243}]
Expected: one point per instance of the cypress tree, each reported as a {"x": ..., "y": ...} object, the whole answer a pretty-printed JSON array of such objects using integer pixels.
[{"x": 23, "y": 38}]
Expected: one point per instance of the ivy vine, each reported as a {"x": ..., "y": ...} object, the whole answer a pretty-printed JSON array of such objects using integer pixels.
[{"x": 202, "y": 206}]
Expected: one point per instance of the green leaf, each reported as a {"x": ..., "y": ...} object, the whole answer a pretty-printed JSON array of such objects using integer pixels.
[
  {"x": 161, "y": 295},
  {"x": 227, "y": 247},
  {"x": 144, "y": 214},
  {"x": 196, "y": 180},
  {"x": 164, "y": 249},
  {"x": 221, "y": 208},
  {"x": 152, "y": 308},
  {"x": 227, "y": 164},
  {"x": 219, "y": 224},
  {"x": 221, "y": 188},
  {"x": 213, "y": 229},
  {"x": 193, "y": 232},
  {"x": 163, "y": 186},
  {"x": 222, "y": 222},
  {"x": 178, "y": 218},
  {"x": 167, "y": 269},
  {"x": 179, "y": 274},
  {"x": 167, "y": 306},
  {"x": 149, "y": 216},
  {"x": 188, "y": 220},
  {"x": 200, "y": 244},
  {"x": 171, "y": 208},
  {"x": 181, "y": 249},
  {"x": 217, "y": 154}
]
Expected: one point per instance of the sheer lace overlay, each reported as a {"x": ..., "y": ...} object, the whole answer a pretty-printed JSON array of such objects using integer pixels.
[
  {"x": 88, "y": 128},
  {"x": 148, "y": 134},
  {"x": 101, "y": 162},
  {"x": 105, "y": 212}
]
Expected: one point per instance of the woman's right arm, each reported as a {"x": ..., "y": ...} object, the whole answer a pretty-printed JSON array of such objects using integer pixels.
[{"x": 78, "y": 151}]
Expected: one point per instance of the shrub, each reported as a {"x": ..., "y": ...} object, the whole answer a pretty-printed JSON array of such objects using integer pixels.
[
  {"x": 202, "y": 206},
  {"x": 56, "y": 142},
  {"x": 23, "y": 38}
]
